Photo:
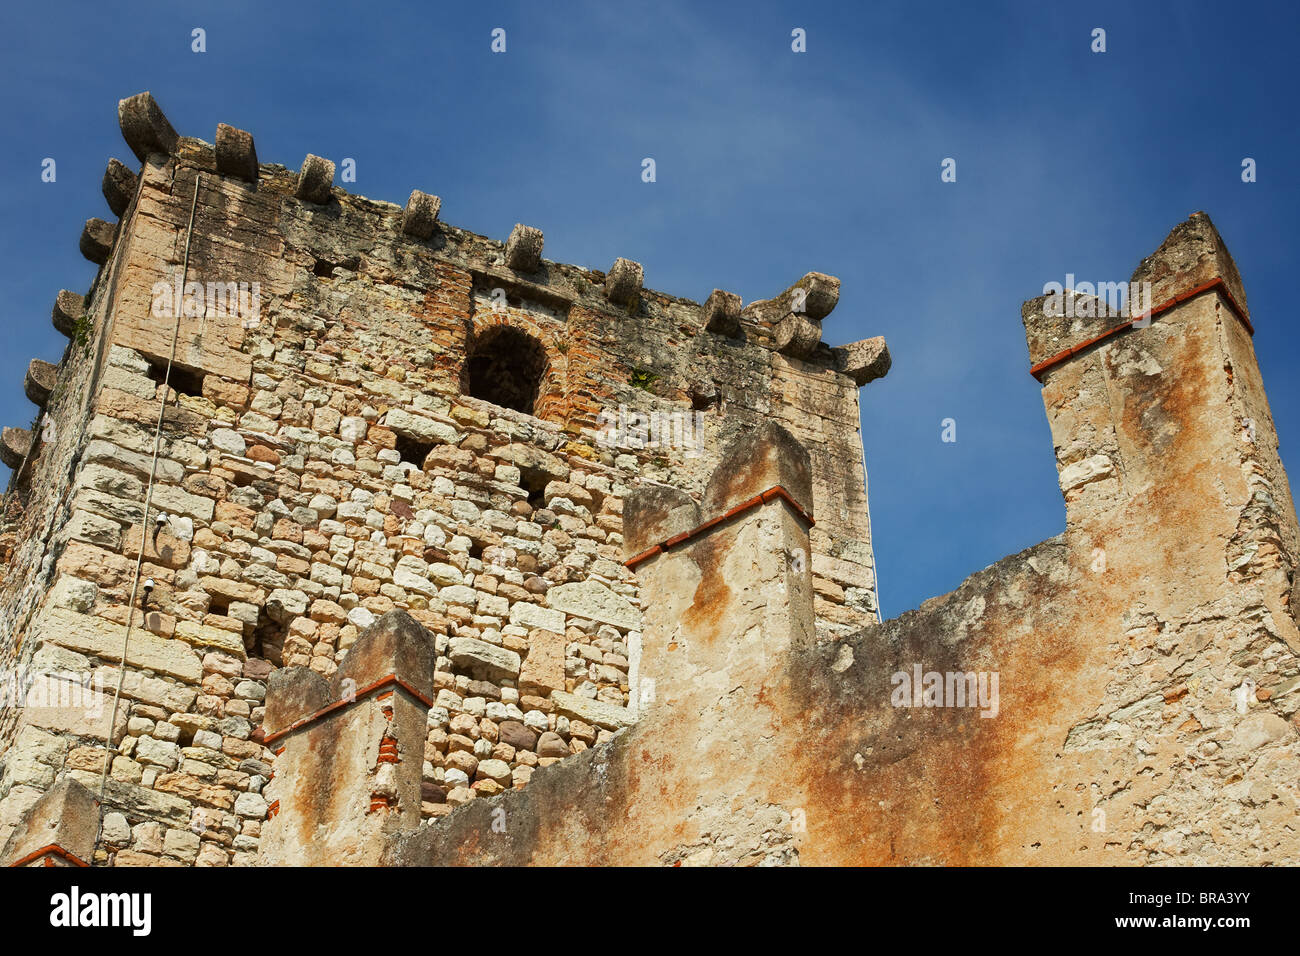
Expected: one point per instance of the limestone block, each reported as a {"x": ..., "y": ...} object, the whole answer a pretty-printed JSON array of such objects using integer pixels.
[
  {"x": 58, "y": 701},
  {"x": 119, "y": 186},
  {"x": 820, "y": 294},
  {"x": 421, "y": 214},
  {"x": 154, "y": 691},
  {"x": 204, "y": 636},
  {"x": 39, "y": 381},
  {"x": 236, "y": 155},
  {"x": 175, "y": 500},
  {"x": 97, "y": 240},
  {"x": 595, "y": 602},
  {"x": 495, "y": 770},
  {"x": 102, "y": 638},
  {"x": 1081, "y": 473},
  {"x": 229, "y": 441},
  {"x": 623, "y": 282},
  {"x": 459, "y": 594},
  {"x": 863, "y": 361},
  {"x": 531, "y": 615},
  {"x": 419, "y": 427},
  {"x": 720, "y": 313},
  {"x": 796, "y": 335},
  {"x": 74, "y": 593},
  {"x": 315, "y": 180},
  {"x": 138, "y": 801},
  {"x": 144, "y": 127},
  {"x": 596, "y": 712},
  {"x": 530, "y": 459},
  {"x": 69, "y": 309},
  {"x": 524, "y": 248},
  {"x": 814, "y": 297},
  {"x": 158, "y": 753},
  {"x": 412, "y": 574},
  {"x": 543, "y": 668},
  {"x": 482, "y": 658},
  {"x": 551, "y": 744}
]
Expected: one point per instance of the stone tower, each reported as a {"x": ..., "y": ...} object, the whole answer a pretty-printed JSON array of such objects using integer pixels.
[{"x": 285, "y": 411}]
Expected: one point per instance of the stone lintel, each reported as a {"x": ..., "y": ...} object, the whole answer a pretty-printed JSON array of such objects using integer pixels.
[{"x": 554, "y": 297}]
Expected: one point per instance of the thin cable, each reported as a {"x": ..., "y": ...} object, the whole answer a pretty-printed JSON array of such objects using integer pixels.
[
  {"x": 875, "y": 572},
  {"x": 871, "y": 538},
  {"x": 144, "y": 519}
]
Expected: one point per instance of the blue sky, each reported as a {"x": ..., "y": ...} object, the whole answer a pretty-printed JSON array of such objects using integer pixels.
[{"x": 769, "y": 164}]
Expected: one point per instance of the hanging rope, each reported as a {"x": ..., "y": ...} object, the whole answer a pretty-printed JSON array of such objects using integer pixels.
[{"x": 144, "y": 519}]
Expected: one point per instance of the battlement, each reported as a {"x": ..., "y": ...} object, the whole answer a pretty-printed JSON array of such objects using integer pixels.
[{"x": 516, "y": 264}]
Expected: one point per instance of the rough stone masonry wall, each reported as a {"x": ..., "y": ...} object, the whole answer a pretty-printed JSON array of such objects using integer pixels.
[
  {"x": 38, "y": 505},
  {"x": 323, "y": 465}
]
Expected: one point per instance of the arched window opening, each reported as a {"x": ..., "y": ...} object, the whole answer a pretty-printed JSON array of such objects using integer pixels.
[{"x": 506, "y": 368}]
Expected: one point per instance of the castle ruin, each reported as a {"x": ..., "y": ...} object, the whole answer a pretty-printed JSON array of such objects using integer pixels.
[{"x": 345, "y": 536}]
